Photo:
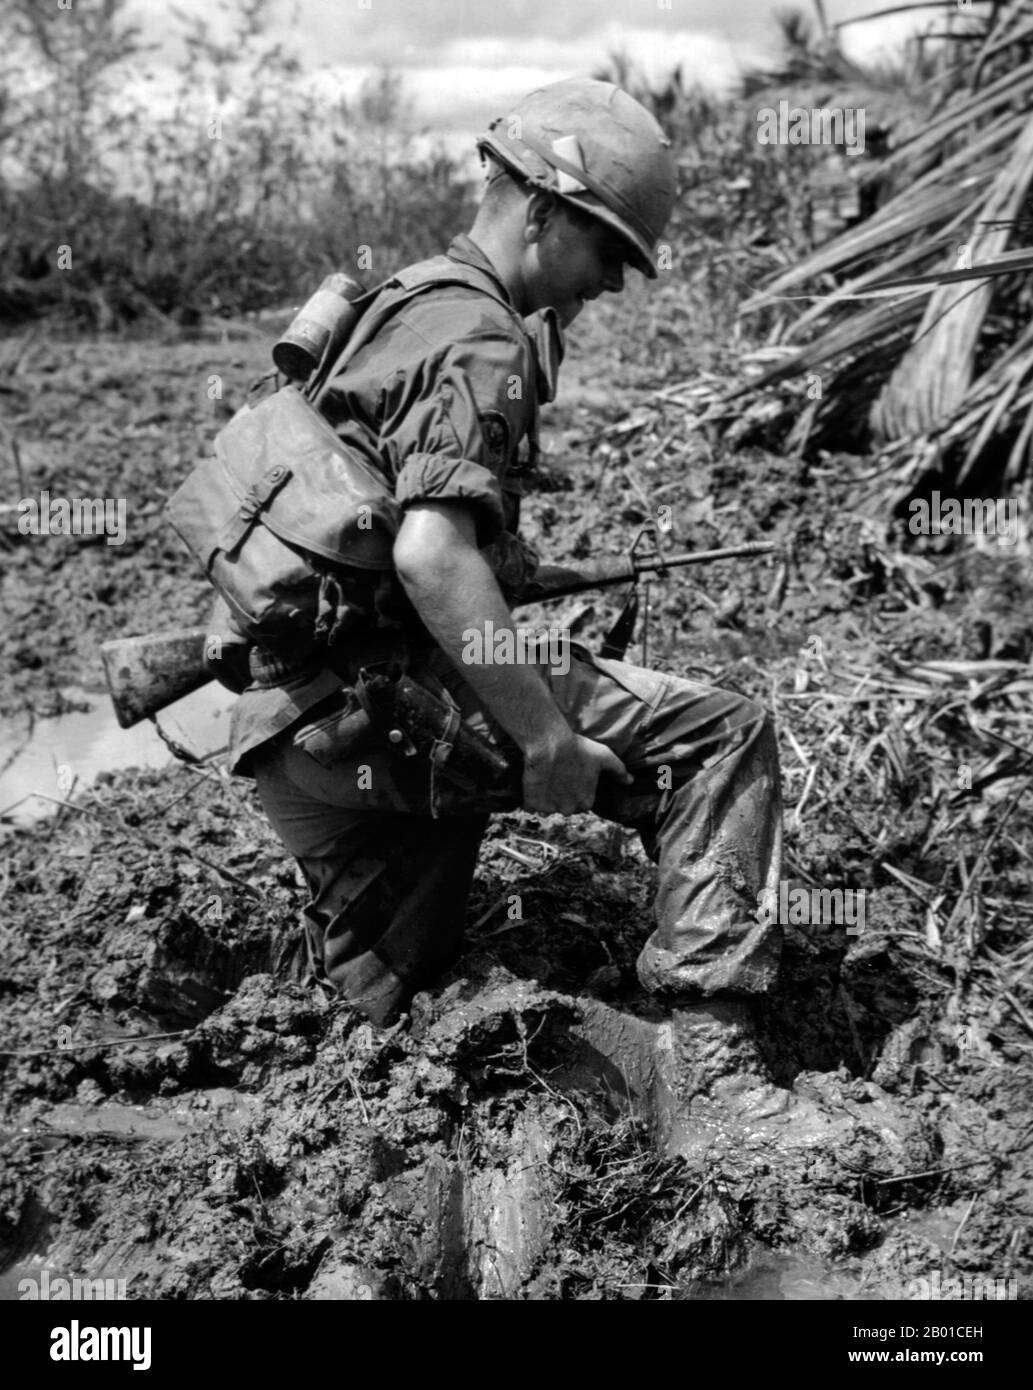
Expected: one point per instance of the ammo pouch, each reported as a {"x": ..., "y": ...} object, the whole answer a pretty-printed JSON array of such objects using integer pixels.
[
  {"x": 282, "y": 516},
  {"x": 335, "y": 729}
]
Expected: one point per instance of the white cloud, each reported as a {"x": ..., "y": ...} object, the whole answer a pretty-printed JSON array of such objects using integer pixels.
[
  {"x": 476, "y": 79},
  {"x": 701, "y": 56},
  {"x": 462, "y": 62},
  {"x": 885, "y": 37}
]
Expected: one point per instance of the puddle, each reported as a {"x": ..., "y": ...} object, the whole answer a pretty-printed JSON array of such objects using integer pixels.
[
  {"x": 785, "y": 1278},
  {"x": 54, "y": 758},
  {"x": 220, "y": 1107},
  {"x": 42, "y": 1262}
]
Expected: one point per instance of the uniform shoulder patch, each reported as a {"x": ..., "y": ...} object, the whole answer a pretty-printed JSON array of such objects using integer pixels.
[{"x": 495, "y": 433}]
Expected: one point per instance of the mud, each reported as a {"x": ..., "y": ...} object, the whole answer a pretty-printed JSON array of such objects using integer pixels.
[
  {"x": 501, "y": 1148},
  {"x": 176, "y": 1109}
]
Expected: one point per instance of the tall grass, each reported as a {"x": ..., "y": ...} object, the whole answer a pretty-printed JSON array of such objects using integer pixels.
[{"x": 223, "y": 186}]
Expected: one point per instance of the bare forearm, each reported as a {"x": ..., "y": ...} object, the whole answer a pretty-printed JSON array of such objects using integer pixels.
[{"x": 454, "y": 590}]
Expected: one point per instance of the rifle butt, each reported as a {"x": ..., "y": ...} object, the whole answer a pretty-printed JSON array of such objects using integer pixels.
[{"x": 144, "y": 674}]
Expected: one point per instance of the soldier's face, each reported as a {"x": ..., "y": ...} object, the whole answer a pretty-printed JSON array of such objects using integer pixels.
[{"x": 576, "y": 258}]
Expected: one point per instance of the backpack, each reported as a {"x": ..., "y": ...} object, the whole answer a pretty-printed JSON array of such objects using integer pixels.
[{"x": 288, "y": 521}]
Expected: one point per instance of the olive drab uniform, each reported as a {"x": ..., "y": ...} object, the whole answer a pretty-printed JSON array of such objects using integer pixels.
[{"x": 449, "y": 391}]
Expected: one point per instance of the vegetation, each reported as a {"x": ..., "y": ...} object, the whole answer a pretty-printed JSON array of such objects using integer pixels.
[
  {"x": 221, "y": 188},
  {"x": 939, "y": 367}
]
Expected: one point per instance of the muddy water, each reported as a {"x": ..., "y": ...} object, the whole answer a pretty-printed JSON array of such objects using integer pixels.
[
  {"x": 46, "y": 759},
  {"x": 790, "y": 1278},
  {"x": 159, "y": 1120}
]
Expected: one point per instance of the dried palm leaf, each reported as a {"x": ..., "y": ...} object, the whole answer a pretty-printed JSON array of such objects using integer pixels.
[
  {"x": 935, "y": 374},
  {"x": 965, "y": 177}
]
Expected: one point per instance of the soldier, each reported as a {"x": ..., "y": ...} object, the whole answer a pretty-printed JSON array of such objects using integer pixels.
[{"x": 447, "y": 396}]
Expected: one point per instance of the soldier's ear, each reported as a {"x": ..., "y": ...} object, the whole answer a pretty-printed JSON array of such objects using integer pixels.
[{"x": 538, "y": 214}]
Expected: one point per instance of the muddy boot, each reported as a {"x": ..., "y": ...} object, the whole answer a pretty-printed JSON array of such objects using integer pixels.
[
  {"x": 373, "y": 988},
  {"x": 714, "y": 1093}
]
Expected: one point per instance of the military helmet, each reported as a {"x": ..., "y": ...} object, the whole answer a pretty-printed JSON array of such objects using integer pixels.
[{"x": 595, "y": 146}]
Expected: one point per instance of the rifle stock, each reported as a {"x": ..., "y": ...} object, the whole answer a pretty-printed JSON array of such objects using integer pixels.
[{"x": 144, "y": 674}]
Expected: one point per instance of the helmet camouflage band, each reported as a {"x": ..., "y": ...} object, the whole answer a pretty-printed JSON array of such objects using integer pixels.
[{"x": 593, "y": 145}]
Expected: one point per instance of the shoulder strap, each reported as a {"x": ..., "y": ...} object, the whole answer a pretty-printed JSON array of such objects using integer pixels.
[{"x": 414, "y": 280}]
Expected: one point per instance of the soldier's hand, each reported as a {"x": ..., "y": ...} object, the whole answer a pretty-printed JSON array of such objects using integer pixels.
[{"x": 563, "y": 775}]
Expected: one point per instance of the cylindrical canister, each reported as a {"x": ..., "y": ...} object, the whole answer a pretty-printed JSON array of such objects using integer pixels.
[{"x": 323, "y": 324}]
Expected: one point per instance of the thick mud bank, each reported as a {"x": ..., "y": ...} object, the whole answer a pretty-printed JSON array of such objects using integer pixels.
[{"x": 504, "y": 1145}]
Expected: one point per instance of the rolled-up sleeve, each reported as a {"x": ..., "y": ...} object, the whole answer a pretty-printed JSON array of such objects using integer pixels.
[
  {"x": 453, "y": 460},
  {"x": 452, "y": 429}
]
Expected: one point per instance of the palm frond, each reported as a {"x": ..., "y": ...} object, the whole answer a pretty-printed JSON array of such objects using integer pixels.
[{"x": 947, "y": 358}]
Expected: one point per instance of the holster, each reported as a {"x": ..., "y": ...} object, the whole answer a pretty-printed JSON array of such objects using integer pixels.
[
  {"x": 413, "y": 718},
  {"x": 421, "y": 719}
]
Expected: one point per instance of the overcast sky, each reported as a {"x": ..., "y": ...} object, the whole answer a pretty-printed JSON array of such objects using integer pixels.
[{"x": 463, "y": 61}]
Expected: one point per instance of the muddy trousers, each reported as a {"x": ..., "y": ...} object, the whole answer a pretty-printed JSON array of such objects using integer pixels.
[{"x": 389, "y": 883}]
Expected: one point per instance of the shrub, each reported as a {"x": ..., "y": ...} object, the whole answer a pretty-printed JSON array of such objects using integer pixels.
[{"x": 230, "y": 187}]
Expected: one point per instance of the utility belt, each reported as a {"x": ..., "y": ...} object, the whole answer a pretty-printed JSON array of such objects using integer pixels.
[{"x": 377, "y": 647}]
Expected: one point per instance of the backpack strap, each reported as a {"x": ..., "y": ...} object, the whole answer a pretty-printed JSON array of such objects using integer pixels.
[{"x": 414, "y": 280}]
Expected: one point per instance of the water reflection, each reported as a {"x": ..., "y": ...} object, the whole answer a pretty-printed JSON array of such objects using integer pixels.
[{"x": 51, "y": 759}]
